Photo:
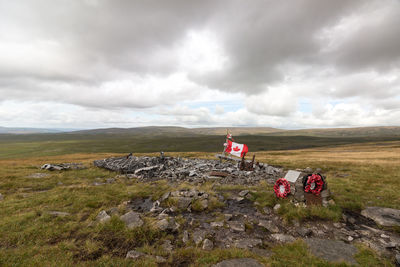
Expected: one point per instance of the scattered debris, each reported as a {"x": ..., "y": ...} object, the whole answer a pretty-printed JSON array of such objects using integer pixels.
[
  {"x": 190, "y": 170},
  {"x": 63, "y": 166}
]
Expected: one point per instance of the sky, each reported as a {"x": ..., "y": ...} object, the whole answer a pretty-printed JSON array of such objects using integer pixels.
[{"x": 284, "y": 64}]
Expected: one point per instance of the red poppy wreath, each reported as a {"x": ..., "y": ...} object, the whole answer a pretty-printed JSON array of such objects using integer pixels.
[{"x": 282, "y": 188}]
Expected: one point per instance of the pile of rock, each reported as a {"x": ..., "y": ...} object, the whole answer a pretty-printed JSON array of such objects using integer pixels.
[
  {"x": 63, "y": 166},
  {"x": 191, "y": 170}
]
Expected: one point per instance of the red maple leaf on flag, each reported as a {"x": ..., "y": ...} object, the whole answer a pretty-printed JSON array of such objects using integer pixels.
[{"x": 236, "y": 148}]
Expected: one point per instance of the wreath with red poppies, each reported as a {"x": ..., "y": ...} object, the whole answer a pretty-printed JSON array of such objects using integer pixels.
[
  {"x": 314, "y": 184},
  {"x": 282, "y": 188}
]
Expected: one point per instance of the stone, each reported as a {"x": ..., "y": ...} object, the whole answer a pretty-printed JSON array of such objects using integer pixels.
[
  {"x": 103, "y": 217},
  {"x": 243, "y": 262},
  {"x": 350, "y": 238},
  {"x": 133, "y": 254},
  {"x": 247, "y": 243},
  {"x": 198, "y": 236},
  {"x": 167, "y": 246},
  {"x": 304, "y": 232},
  {"x": 227, "y": 216},
  {"x": 217, "y": 224},
  {"x": 165, "y": 196},
  {"x": 1, "y": 197},
  {"x": 332, "y": 250},
  {"x": 59, "y": 213},
  {"x": 398, "y": 259},
  {"x": 160, "y": 259},
  {"x": 185, "y": 237},
  {"x": 283, "y": 238},
  {"x": 132, "y": 219},
  {"x": 184, "y": 202},
  {"x": 308, "y": 170},
  {"x": 141, "y": 204},
  {"x": 113, "y": 211},
  {"x": 277, "y": 207},
  {"x": 237, "y": 226},
  {"x": 269, "y": 225},
  {"x": 243, "y": 193},
  {"x": 267, "y": 210},
  {"x": 167, "y": 224},
  {"x": 383, "y": 216},
  {"x": 292, "y": 176},
  {"x": 207, "y": 244}
]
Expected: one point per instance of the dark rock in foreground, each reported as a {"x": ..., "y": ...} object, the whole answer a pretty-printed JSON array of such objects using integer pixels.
[{"x": 383, "y": 216}]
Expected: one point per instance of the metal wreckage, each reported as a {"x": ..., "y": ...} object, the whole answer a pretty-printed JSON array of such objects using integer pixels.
[{"x": 231, "y": 167}]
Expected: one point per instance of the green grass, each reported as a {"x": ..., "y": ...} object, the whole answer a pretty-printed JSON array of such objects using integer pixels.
[{"x": 30, "y": 236}]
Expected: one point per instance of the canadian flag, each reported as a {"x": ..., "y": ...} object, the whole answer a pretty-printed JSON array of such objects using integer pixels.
[{"x": 238, "y": 150}]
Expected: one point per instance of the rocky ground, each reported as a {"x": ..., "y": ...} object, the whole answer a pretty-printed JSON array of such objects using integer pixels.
[{"x": 210, "y": 219}]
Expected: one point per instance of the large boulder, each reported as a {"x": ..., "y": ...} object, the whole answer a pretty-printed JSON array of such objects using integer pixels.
[
  {"x": 383, "y": 216},
  {"x": 332, "y": 250},
  {"x": 132, "y": 219}
]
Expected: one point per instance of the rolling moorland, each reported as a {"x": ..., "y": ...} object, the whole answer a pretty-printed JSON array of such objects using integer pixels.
[{"x": 362, "y": 167}]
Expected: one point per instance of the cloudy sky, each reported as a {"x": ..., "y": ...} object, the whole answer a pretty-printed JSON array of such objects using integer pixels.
[{"x": 286, "y": 64}]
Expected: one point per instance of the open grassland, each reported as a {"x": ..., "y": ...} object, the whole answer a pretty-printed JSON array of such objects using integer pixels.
[{"x": 358, "y": 175}]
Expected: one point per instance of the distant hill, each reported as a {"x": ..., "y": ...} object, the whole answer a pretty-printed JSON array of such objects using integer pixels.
[
  {"x": 21, "y": 130},
  {"x": 172, "y": 131},
  {"x": 382, "y": 131},
  {"x": 240, "y": 131}
]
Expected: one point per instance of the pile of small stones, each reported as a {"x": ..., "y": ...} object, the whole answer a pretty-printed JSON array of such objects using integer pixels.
[
  {"x": 63, "y": 166},
  {"x": 242, "y": 225},
  {"x": 190, "y": 170}
]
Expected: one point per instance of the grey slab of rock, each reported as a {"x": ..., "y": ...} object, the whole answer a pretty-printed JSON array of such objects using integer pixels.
[
  {"x": 133, "y": 254},
  {"x": 59, "y": 213},
  {"x": 207, "y": 244},
  {"x": 216, "y": 224},
  {"x": 198, "y": 236},
  {"x": 167, "y": 224},
  {"x": 243, "y": 262},
  {"x": 398, "y": 259},
  {"x": 185, "y": 237},
  {"x": 383, "y": 216},
  {"x": 283, "y": 238},
  {"x": 292, "y": 176},
  {"x": 103, "y": 217},
  {"x": 237, "y": 226},
  {"x": 243, "y": 193},
  {"x": 269, "y": 225},
  {"x": 247, "y": 243},
  {"x": 132, "y": 219},
  {"x": 332, "y": 250},
  {"x": 184, "y": 202}
]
